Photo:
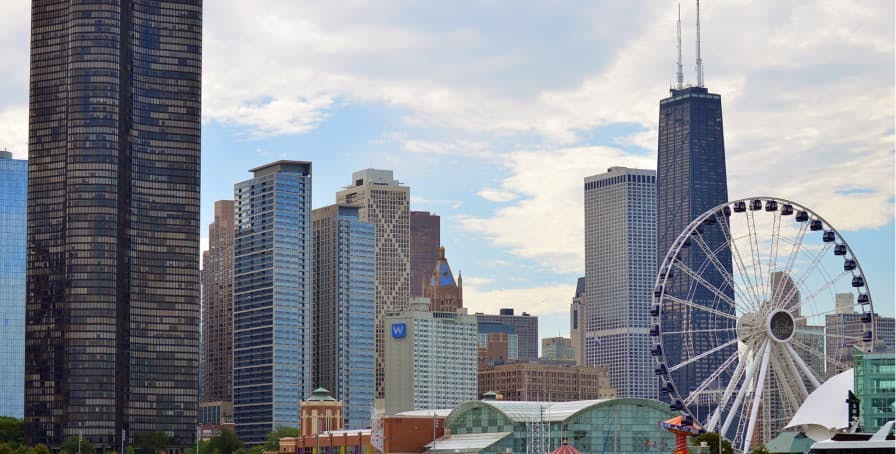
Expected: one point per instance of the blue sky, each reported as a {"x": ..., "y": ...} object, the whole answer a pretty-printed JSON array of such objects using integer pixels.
[{"x": 493, "y": 112}]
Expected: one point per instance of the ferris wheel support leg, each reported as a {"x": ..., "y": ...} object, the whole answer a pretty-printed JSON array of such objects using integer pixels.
[
  {"x": 732, "y": 383},
  {"x": 748, "y": 378},
  {"x": 757, "y": 397},
  {"x": 794, "y": 371},
  {"x": 799, "y": 362}
]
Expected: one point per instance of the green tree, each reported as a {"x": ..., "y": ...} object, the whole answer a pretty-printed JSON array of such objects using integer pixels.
[
  {"x": 272, "y": 441},
  {"x": 760, "y": 450},
  {"x": 71, "y": 445},
  {"x": 12, "y": 431},
  {"x": 712, "y": 439},
  {"x": 5, "y": 449},
  {"x": 226, "y": 443},
  {"x": 130, "y": 450},
  {"x": 41, "y": 449},
  {"x": 151, "y": 442},
  {"x": 22, "y": 449},
  {"x": 258, "y": 449}
]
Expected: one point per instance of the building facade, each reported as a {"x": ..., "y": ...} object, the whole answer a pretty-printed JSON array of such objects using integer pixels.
[
  {"x": 577, "y": 321},
  {"x": 216, "y": 377},
  {"x": 385, "y": 203},
  {"x": 272, "y": 298},
  {"x": 526, "y": 327},
  {"x": 424, "y": 243},
  {"x": 875, "y": 385},
  {"x": 691, "y": 178},
  {"x": 557, "y": 349},
  {"x": 546, "y": 382},
  {"x": 13, "y": 224},
  {"x": 620, "y": 271},
  {"x": 343, "y": 299},
  {"x": 498, "y": 343},
  {"x": 112, "y": 312},
  {"x": 444, "y": 293},
  {"x": 843, "y": 338},
  {"x": 430, "y": 358}
]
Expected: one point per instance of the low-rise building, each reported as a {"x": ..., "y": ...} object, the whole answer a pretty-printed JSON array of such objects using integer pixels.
[
  {"x": 557, "y": 349},
  {"x": 546, "y": 382}
]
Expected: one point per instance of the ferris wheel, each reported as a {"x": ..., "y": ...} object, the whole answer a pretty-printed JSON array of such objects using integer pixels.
[{"x": 756, "y": 303}]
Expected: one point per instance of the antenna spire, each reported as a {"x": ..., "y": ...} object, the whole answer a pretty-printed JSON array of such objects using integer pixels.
[
  {"x": 699, "y": 60},
  {"x": 680, "y": 74}
]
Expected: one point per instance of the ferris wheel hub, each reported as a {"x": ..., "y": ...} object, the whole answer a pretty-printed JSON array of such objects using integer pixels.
[{"x": 781, "y": 326}]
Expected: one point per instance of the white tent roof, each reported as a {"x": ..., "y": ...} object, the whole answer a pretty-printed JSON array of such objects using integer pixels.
[
  {"x": 825, "y": 411},
  {"x": 535, "y": 411}
]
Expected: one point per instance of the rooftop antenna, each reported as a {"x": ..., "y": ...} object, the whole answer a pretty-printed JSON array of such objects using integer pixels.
[
  {"x": 680, "y": 74},
  {"x": 699, "y": 60}
]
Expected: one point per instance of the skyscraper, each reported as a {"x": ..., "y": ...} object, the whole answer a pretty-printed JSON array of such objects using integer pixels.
[
  {"x": 526, "y": 327},
  {"x": 271, "y": 298},
  {"x": 577, "y": 321},
  {"x": 13, "y": 196},
  {"x": 217, "y": 318},
  {"x": 444, "y": 293},
  {"x": 343, "y": 299},
  {"x": 112, "y": 313},
  {"x": 425, "y": 242},
  {"x": 620, "y": 270},
  {"x": 385, "y": 203}
]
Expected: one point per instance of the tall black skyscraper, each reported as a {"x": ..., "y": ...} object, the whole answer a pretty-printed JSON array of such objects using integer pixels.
[
  {"x": 112, "y": 315},
  {"x": 691, "y": 179}
]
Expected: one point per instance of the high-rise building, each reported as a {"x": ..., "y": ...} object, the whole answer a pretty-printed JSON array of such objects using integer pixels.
[
  {"x": 13, "y": 198},
  {"x": 385, "y": 203},
  {"x": 526, "y": 330},
  {"x": 844, "y": 333},
  {"x": 557, "y": 349},
  {"x": 444, "y": 293},
  {"x": 271, "y": 298},
  {"x": 873, "y": 385},
  {"x": 691, "y": 179},
  {"x": 216, "y": 378},
  {"x": 430, "y": 358},
  {"x": 577, "y": 321},
  {"x": 547, "y": 382},
  {"x": 112, "y": 312},
  {"x": 620, "y": 271},
  {"x": 343, "y": 298},
  {"x": 424, "y": 242}
]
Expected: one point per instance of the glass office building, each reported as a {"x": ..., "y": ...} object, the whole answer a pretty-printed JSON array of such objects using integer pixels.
[
  {"x": 13, "y": 196},
  {"x": 343, "y": 301},
  {"x": 272, "y": 296},
  {"x": 875, "y": 386},
  {"x": 691, "y": 179},
  {"x": 112, "y": 311}
]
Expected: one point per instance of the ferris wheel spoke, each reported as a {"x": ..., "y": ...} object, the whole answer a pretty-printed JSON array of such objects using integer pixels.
[
  {"x": 699, "y": 307},
  {"x": 693, "y": 395},
  {"x": 773, "y": 256},
  {"x": 814, "y": 352},
  {"x": 830, "y": 310},
  {"x": 755, "y": 255},
  {"x": 726, "y": 275},
  {"x": 784, "y": 379},
  {"x": 692, "y": 331},
  {"x": 797, "y": 246},
  {"x": 757, "y": 396},
  {"x": 811, "y": 297},
  {"x": 804, "y": 275},
  {"x": 699, "y": 279},
  {"x": 703, "y": 355},
  {"x": 798, "y": 360},
  {"x": 736, "y": 408},
  {"x": 729, "y": 389},
  {"x": 794, "y": 372},
  {"x": 739, "y": 263}
]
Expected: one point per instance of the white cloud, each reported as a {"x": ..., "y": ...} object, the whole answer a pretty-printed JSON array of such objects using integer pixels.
[
  {"x": 540, "y": 300},
  {"x": 497, "y": 195}
]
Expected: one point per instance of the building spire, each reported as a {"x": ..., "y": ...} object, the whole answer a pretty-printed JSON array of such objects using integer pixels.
[
  {"x": 699, "y": 60},
  {"x": 679, "y": 76}
]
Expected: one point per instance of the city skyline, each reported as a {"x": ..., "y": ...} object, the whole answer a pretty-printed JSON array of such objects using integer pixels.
[{"x": 419, "y": 124}]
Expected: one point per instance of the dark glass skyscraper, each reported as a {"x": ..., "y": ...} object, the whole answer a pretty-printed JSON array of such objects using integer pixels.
[
  {"x": 691, "y": 179},
  {"x": 271, "y": 298},
  {"x": 112, "y": 309}
]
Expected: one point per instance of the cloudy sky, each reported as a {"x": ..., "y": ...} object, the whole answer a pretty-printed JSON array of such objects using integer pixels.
[{"x": 493, "y": 112}]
